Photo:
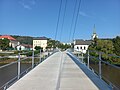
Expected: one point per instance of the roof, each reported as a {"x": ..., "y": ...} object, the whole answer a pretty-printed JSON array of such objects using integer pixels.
[
  {"x": 7, "y": 37},
  {"x": 82, "y": 42},
  {"x": 26, "y": 45},
  {"x": 40, "y": 38}
]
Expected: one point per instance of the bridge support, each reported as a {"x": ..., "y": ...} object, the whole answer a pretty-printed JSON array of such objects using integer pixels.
[
  {"x": 33, "y": 59},
  {"x": 100, "y": 65},
  {"x": 82, "y": 56},
  {"x": 18, "y": 65},
  {"x": 88, "y": 59},
  {"x": 40, "y": 56}
]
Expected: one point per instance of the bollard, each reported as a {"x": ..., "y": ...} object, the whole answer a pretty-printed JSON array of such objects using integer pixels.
[
  {"x": 100, "y": 65},
  {"x": 33, "y": 59},
  {"x": 40, "y": 56},
  {"x": 19, "y": 66},
  {"x": 88, "y": 59}
]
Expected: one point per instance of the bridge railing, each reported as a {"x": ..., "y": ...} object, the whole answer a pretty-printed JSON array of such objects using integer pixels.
[
  {"x": 105, "y": 70},
  {"x": 30, "y": 62}
]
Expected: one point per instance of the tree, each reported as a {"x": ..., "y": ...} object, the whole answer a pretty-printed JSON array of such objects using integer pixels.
[
  {"x": 105, "y": 46},
  {"x": 116, "y": 43},
  {"x": 4, "y": 44},
  {"x": 52, "y": 43},
  {"x": 38, "y": 48}
]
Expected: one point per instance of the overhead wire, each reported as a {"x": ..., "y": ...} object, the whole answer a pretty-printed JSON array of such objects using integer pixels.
[
  {"x": 56, "y": 31},
  {"x": 76, "y": 19},
  {"x": 63, "y": 20},
  {"x": 72, "y": 20}
]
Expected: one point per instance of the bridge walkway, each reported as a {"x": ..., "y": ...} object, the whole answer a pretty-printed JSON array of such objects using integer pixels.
[{"x": 60, "y": 72}]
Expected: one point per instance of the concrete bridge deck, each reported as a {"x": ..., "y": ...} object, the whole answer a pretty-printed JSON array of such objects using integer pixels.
[{"x": 60, "y": 72}]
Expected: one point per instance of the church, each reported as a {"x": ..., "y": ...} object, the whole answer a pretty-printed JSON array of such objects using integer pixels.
[{"x": 82, "y": 45}]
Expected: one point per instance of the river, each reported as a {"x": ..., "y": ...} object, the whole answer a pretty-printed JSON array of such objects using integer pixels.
[
  {"x": 9, "y": 72},
  {"x": 109, "y": 73}
]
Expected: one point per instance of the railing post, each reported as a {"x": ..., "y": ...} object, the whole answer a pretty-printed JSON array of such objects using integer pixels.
[
  {"x": 5, "y": 87},
  {"x": 82, "y": 56},
  {"x": 40, "y": 56},
  {"x": 100, "y": 65},
  {"x": 18, "y": 65},
  {"x": 33, "y": 59},
  {"x": 88, "y": 59}
]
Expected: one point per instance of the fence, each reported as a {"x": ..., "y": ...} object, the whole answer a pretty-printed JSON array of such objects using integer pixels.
[
  {"x": 33, "y": 60},
  {"x": 108, "y": 72}
]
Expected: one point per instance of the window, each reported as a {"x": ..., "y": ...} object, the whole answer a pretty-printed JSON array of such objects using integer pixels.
[
  {"x": 84, "y": 47},
  {"x": 78, "y": 48}
]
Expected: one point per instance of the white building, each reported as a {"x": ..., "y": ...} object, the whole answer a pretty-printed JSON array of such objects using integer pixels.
[
  {"x": 41, "y": 41},
  {"x": 24, "y": 47},
  {"x": 81, "y": 45}
]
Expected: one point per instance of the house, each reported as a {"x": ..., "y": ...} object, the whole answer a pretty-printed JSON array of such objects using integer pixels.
[
  {"x": 13, "y": 42},
  {"x": 40, "y": 41},
  {"x": 81, "y": 45},
  {"x": 24, "y": 47}
]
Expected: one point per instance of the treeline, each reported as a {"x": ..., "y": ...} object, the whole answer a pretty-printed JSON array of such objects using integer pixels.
[
  {"x": 57, "y": 44},
  {"x": 24, "y": 39},
  {"x": 109, "y": 47}
]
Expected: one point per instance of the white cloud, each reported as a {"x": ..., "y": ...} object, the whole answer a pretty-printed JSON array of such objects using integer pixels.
[
  {"x": 83, "y": 14},
  {"x": 27, "y": 4}
]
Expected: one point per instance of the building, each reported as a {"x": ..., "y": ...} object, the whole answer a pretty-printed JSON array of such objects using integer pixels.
[
  {"x": 41, "y": 41},
  {"x": 81, "y": 45},
  {"x": 13, "y": 42},
  {"x": 94, "y": 35},
  {"x": 24, "y": 47}
]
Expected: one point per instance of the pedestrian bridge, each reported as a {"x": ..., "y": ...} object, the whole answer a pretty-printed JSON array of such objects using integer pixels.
[{"x": 60, "y": 71}]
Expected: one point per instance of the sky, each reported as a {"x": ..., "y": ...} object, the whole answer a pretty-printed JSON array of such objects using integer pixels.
[{"x": 39, "y": 18}]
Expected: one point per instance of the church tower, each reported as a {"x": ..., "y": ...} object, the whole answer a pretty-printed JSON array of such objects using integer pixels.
[{"x": 94, "y": 35}]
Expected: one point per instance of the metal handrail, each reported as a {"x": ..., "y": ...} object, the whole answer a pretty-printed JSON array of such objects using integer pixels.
[
  {"x": 10, "y": 82},
  {"x": 101, "y": 61}
]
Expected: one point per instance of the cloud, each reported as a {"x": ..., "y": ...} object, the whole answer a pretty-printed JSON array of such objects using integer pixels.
[
  {"x": 27, "y": 4},
  {"x": 83, "y": 14}
]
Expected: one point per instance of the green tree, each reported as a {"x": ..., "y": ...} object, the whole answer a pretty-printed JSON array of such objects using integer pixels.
[
  {"x": 38, "y": 48},
  {"x": 116, "y": 43},
  {"x": 4, "y": 44},
  {"x": 105, "y": 46},
  {"x": 52, "y": 43}
]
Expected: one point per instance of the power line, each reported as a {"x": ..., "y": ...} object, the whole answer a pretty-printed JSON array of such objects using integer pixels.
[
  {"x": 58, "y": 19},
  {"x": 76, "y": 19},
  {"x": 72, "y": 19},
  {"x": 63, "y": 19}
]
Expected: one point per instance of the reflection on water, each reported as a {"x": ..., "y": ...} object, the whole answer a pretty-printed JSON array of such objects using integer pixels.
[
  {"x": 9, "y": 72},
  {"x": 109, "y": 73}
]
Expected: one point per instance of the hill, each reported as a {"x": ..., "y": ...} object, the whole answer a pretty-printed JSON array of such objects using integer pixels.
[{"x": 23, "y": 39}]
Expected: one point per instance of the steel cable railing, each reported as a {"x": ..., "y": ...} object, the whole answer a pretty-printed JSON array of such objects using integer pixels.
[
  {"x": 106, "y": 71},
  {"x": 19, "y": 61}
]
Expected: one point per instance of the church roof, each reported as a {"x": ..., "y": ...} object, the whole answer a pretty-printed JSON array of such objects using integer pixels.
[{"x": 82, "y": 42}]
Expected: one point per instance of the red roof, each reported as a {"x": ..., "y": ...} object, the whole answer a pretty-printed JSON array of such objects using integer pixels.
[{"x": 7, "y": 37}]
